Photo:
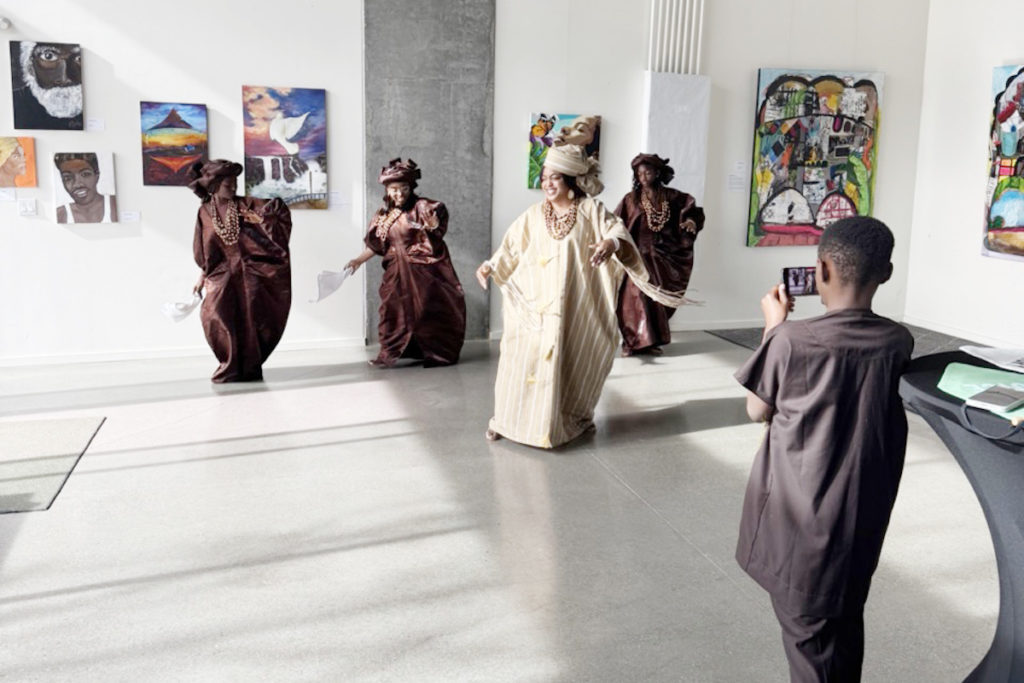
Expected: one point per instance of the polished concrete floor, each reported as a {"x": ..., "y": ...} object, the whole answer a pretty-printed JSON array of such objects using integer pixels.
[{"x": 343, "y": 523}]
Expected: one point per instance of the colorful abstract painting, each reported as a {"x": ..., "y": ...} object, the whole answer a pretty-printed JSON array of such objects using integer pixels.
[
  {"x": 84, "y": 190},
  {"x": 1004, "y": 197},
  {"x": 17, "y": 162},
  {"x": 286, "y": 145},
  {"x": 549, "y": 129},
  {"x": 173, "y": 138},
  {"x": 815, "y": 146},
  {"x": 46, "y": 79}
]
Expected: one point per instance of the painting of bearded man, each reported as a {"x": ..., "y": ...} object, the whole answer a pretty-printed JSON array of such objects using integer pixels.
[{"x": 47, "y": 82}]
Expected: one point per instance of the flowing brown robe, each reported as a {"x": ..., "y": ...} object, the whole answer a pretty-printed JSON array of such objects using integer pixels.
[
  {"x": 668, "y": 256},
  {"x": 422, "y": 306},
  {"x": 248, "y": 287}
]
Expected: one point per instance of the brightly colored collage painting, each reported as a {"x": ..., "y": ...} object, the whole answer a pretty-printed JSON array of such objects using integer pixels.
[
  {"x": 286, "y": 145},
  {"x": 815, "y": 146},
  {"x": 550, "y": 129},
  {"x": 1004, "y": 197},
  {"x": 173, "y": 138}
]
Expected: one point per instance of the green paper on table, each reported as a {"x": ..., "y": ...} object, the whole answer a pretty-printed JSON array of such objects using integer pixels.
[{"x": 963, "y": 381}]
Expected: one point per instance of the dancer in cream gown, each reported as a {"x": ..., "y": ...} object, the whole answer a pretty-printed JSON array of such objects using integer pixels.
[{"x": 560, "y": 267}]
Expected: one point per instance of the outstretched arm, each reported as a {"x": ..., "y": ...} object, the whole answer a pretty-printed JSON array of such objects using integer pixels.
[{"x": 354, "y": 264}]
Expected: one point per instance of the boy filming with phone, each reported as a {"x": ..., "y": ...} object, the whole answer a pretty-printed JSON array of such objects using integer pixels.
[{"x": 824, "y": 481}]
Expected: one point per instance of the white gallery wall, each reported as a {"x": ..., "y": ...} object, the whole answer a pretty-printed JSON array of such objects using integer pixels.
[
  {"x": 95, "y": 291},
  {"x": 952, "y": 287},
  {"x": 584, "y": 56}
]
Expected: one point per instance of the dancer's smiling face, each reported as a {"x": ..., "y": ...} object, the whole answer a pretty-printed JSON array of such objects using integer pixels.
[
  {"x": 554, "y": 186},
  {"x": 398, "y": 193}
]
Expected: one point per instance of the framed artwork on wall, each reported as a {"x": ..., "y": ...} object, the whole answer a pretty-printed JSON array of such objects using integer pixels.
[
  {"x": 17, "y": 162},
  {"x": 1004, "y": 195},
  {"x": 815, "y": 151},
  {"x": 46, "y": 80},
  {"x": 174, "y": 136},
  {"x": 550, "y": 129},
  {"x": 286, "y": 145},
  {"x": 84, "y": 190}
]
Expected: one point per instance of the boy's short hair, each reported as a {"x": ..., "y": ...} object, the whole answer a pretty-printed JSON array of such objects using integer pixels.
[{"x": 860, "y": 247}]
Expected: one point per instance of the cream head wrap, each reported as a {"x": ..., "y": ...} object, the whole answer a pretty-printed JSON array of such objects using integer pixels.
[
  {"x": 573, "y": 160},
  {"x": 7, "y": 147}
]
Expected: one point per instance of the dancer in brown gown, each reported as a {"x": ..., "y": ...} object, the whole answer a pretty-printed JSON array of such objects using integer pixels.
[
  {"x": 664, "y": 223},
  {"x": 422, "y": 306},
  {"x": 241, "y": 245}
]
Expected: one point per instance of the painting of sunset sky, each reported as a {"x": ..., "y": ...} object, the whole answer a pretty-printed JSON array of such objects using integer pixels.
[{"x": 173, "y": 138}]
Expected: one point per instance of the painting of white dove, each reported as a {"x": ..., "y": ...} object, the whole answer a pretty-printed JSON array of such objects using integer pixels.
[{"x": 286, "y": 145}]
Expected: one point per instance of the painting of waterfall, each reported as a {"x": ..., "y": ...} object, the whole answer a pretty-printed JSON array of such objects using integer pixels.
[{"x": 286, "y": 145}]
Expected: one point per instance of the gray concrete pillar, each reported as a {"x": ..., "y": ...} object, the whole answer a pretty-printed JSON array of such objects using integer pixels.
[{"x": 429, "y": 82}]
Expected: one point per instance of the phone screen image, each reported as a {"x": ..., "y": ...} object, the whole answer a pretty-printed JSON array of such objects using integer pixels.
[{"x": 799, "y": 281}]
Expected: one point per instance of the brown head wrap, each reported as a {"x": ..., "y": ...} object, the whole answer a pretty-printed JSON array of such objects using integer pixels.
[
  {"x": 665, "y": 172},
  {"x": 204, "y": 177},
  {"x": 398, "y": 171}
]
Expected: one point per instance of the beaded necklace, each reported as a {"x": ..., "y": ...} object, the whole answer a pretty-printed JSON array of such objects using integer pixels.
[
  {"x": 385, "y": 221},
  {"x": 559, "y": 226},
  {"x": 227, "y": 229},
  {"x": 656, "y": 218}
]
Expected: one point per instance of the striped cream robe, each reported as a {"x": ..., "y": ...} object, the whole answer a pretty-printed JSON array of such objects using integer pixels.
[{"x": 560, "y": 331}]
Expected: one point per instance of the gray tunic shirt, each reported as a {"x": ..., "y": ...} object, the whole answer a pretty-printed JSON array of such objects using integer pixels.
[{"x": 824, "y": 481}]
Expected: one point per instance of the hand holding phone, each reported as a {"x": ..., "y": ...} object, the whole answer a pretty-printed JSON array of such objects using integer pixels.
[{"x": 799, "y": 281}]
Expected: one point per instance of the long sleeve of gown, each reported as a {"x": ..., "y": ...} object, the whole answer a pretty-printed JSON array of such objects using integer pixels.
[
  {"x": 198, "y": 251},
  {"x": 506, "y": 259},
  {"x": 278, "y": 219},
  {"x": 691, "y": 212}
]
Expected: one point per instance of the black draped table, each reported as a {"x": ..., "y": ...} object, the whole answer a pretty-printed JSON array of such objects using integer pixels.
[{"x": 995, "y": 468}]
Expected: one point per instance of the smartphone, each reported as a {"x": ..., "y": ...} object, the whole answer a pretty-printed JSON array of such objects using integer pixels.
[
  {"x": 999, "y": 397},
  {"x": 799, "y": 281}
]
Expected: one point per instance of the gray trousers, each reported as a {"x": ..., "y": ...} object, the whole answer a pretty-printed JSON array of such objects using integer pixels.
[{"x": 822, "y": 649}]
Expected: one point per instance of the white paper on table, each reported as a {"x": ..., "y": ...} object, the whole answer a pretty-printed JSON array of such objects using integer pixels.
[
  {"x": 328, "y": 282},
  {"x": 1007, "y": 359},
  {"x": 179, "y": 311}
]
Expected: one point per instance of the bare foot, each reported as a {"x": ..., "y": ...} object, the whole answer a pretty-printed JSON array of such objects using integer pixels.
[
  {"x": 626, "y": 353},
  {"x": 492, "y": 435}
]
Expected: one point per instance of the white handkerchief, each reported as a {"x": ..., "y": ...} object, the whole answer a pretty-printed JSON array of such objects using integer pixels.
[
  {"x": 328, "y": 282},
  {"x": 179, "y": 311}
]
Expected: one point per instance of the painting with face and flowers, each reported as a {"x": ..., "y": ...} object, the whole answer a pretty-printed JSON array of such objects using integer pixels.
[
  {"x": 47, "y": 84},
  {"x": 556, "y": 129},
  {"x": 17, "y": 162},
  {"x": 83, "y": 187},
  {"x": 286, "y": 145}
]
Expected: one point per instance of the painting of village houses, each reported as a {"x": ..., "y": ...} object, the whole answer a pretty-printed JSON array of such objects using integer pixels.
[
  {"x": 286, "y": 145},
  {"x": 815, "y": 146},
  {"x": 1004, "y": 205}
]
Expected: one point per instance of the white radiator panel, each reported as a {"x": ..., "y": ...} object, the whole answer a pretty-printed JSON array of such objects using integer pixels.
[{"x": 675, "y": 125}]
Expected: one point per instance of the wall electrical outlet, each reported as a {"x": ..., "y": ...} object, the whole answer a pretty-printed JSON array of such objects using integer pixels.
[{"x": 26, "y": 207}]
